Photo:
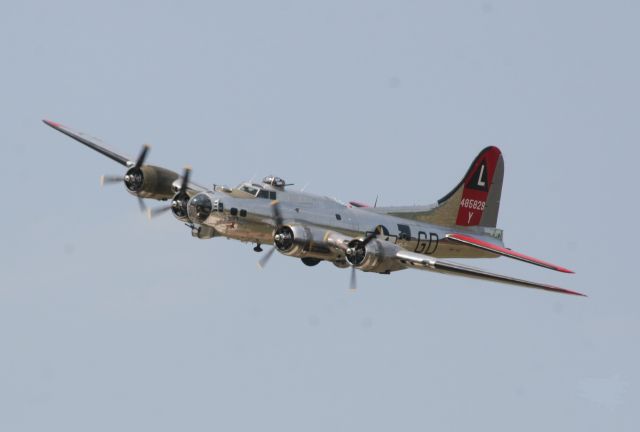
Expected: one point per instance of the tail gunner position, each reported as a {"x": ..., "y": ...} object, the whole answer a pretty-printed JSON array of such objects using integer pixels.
[{"x": 314, "y": 228}]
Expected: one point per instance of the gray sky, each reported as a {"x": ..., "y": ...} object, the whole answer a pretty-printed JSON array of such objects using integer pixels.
[{"x": 110, "y": 322}]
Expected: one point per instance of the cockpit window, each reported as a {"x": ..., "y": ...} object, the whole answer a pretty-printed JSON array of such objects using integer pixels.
[
  {"x": 249, "y": 189},
  {"x": 257, "y": 191}
]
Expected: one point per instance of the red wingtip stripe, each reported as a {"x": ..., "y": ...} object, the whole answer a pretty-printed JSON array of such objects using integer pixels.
[
  {"x": 566, "y": 291},
  {"x": 52, "y": 123},
  {"x": 507, "y": 252}
]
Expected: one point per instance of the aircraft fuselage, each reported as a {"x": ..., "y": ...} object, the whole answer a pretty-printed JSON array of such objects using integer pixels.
[{"x": 245, "y": 217}]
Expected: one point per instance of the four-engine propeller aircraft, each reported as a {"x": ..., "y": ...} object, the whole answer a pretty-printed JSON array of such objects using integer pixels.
[{"x": 313, "y": 228}]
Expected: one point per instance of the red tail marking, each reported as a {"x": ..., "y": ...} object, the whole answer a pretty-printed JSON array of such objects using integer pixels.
[{"x": 476, "y": 187}]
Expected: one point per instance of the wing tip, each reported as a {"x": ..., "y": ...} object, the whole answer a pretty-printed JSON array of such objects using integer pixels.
[
  {"x": 51, "y": 123},
  {"x": 563, "y": 269},
  {"x": 566, "y": 291}
]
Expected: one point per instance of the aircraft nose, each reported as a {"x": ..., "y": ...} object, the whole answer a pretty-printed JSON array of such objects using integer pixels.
[{"x": 199, "y": 208}]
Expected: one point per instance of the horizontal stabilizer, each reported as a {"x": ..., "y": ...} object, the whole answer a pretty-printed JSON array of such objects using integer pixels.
[{"x": 480, "y": 244}]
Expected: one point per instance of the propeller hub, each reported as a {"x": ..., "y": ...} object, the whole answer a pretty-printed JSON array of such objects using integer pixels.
[
  {"x": 356, "y": 252},
  {"x": 179, "y": 205},
  {"x": 134, "y": 179},
  {"x": 283, "y": 238}
]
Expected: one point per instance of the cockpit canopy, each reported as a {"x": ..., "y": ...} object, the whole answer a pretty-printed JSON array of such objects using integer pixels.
[
  {"x": 263, "y": 190},
  {"x": 257, "y": 191},
  {"x": 274, "y": 181}
]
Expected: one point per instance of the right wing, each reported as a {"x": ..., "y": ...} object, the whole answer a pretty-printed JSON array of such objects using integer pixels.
[
  {"x": 423, "y": 262},
  {"x": 509, "y": 253}
]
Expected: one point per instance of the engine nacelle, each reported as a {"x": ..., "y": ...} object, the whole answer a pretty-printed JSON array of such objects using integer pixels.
[
  {"x": 308, "y": 242},
  {"x": 150, "y": 181},
  {"x": 375, "y": 256}
]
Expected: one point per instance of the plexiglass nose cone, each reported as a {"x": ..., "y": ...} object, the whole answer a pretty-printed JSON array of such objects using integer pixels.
[{"x": 199, "y": 208}]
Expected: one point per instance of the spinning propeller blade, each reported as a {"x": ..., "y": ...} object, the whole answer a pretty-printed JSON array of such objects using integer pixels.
[
  {"x": 353, "y": 284},
  {"x": 185, "y": 179},
  {"x": 143, "y": 155},
  {"x": 153, "y": 212},
  {"x": 110, "y": 179},
  {"x": 265, "y": 259},
  {"x": 364, "y": 242},
  {"x": 142, "y": 205},
  {"x": 276, "y": 214}
]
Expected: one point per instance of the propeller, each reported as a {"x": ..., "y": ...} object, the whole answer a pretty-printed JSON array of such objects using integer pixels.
[
  {"x": 353, "y": 283},
  {"x": 109, "y": 179},
  {"x": 142, "y": 205},
  {"x": 179, "y": 201},
  {"x": 276, "y": 214},
  {"x": 142, "y": 156},
  {"x": 265, "y": 259},
  {"x": 356, "y": 253},
  {"x": 153, "y": 212},
  {"x": 133, "y": 178}
]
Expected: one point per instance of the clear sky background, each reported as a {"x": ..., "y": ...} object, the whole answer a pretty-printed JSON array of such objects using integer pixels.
[{"x": 111, "y": 322}]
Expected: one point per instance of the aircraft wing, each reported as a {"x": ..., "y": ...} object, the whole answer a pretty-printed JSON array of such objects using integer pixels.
[
  {"x": 422, "y": 262},
  {"x": 91, "y": 142},
  {"x": 480, "y": 244},
  {"x": 97, "y": 145}
]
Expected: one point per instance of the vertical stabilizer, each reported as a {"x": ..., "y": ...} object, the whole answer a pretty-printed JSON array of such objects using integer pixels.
[{"x": 474, "y": 201}]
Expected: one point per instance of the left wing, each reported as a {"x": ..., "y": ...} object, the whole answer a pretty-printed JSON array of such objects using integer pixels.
[
  {"x": 91, "y": 142},
  {"x": 422, "y": 262},
  {"x": 481, "y": 244},
  {"x": 173, "y": 181}
]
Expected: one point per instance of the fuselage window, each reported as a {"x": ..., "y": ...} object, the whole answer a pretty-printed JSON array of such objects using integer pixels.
[
  {"x": 233, "y": 211},
  {"x": 338, "y": 216},
  {"x": 243, "y": 213},
  {"x": 267, "y": 194}
]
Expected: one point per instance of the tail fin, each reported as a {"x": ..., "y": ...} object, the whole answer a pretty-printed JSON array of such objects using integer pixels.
[
  {"x": 474, "y": 201},
  {"x": 477, "y": 196}
]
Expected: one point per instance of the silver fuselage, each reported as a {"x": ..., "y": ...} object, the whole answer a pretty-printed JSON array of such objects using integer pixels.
[{"x": 248, "y": 218}]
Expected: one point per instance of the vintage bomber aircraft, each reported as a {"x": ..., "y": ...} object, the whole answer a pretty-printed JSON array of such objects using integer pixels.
[{"x": 313, "y": 228}]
